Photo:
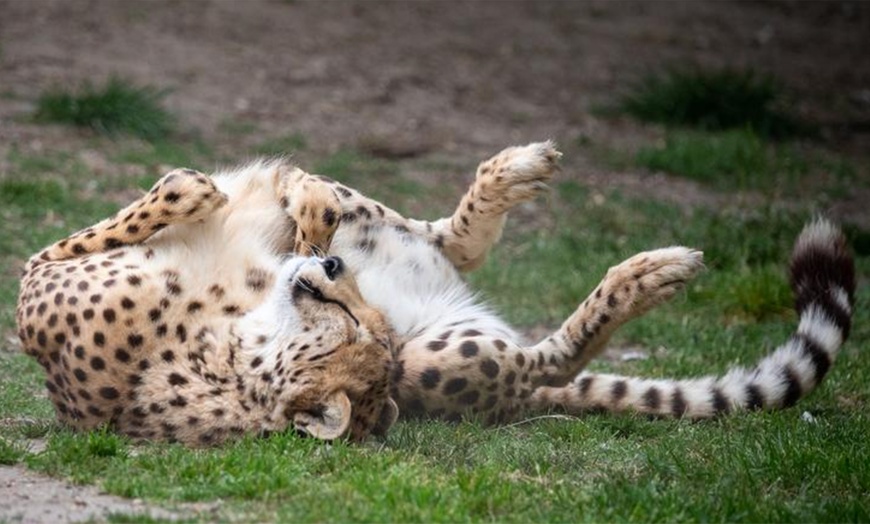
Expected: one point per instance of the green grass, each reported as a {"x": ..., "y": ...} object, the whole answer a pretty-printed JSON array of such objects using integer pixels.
[
  {"x": 714, "y": 100},
  {"x": 117, "y": 107},
  {"x": 754, "y": 467},
  {"x": 740, "y": 160},
  {"x": 729, "y": 159}
]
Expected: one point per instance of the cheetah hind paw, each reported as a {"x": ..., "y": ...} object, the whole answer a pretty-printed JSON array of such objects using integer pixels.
[
  {"x": 651, "y": 278},
  {"x": 518, "y": 174}
]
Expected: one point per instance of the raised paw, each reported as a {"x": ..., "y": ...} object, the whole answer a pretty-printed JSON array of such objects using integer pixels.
[
  {"x": 187, "y": 195},
  {"x": 316, "y": 209},
  {"x": 515, "y": 175},
  {"x": 649, "y": 278}
]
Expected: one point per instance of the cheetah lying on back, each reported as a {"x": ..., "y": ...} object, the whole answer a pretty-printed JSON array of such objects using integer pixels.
[{"x": 187, "y": 317}]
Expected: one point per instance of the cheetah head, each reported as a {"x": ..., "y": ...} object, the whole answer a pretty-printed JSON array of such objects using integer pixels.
[{"x": 334, "y": 351}]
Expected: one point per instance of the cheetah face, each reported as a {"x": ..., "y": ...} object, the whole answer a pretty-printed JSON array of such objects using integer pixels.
[{"x": 349, "y": 362}]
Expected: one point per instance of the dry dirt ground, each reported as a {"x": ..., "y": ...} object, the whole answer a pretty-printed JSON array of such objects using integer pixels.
[
  {"x": 29, "y": 497},
  {"x": 412, "y": 78}
]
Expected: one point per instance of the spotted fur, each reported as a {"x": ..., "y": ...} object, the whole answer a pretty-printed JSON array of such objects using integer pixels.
[
  {"x": 206, "y": 327},
  {"x": 182, "y": 318}
]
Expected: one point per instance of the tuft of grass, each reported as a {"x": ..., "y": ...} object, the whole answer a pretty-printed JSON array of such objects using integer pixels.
[
  {"x": 67, "y": 453},
  {"x": 11, "y": 452},
  {"x": 714, "y": 100},
  {"x": 732, "y": 158},
  {"x": 758, "y": 295},
  {"x": 736, "y": 159},
  {"x": 118, "y": 107}
]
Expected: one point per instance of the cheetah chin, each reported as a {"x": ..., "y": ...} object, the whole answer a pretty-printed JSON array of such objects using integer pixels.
[{"x": 266, "y": 298}]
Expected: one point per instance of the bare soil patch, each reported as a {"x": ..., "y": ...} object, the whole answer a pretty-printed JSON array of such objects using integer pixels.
[{"x": 29, "y": 497}]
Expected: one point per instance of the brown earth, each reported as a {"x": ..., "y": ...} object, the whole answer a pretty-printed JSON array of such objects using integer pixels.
[{"x": 459, "y": 80}]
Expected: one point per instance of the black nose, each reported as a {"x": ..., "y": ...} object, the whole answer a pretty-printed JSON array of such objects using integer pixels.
[{"x": 333, "y": 267}]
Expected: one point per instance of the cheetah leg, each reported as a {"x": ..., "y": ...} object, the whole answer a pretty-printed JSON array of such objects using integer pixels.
[
  {"x": 314, "y": 207},
  {"x": 452, "y": 370},
  {"x": 181, "y": 196},
  {"x": 627, "y": 291},
  {"x": 513, "y": 176},
  {"x": 823, "y": 281}
]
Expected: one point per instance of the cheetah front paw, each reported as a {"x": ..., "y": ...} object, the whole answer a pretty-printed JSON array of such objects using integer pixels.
[
  {"x": 316, "y": 209},
  {"x": 516, "y": 175},
  {"x": 186, "y": 195}
]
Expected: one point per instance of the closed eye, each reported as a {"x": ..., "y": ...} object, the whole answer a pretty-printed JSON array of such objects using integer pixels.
[{"x": 305, "y": 286}]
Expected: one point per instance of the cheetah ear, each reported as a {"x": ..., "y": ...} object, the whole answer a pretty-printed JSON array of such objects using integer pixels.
[
  {"x": 389, "y": 415},
  {"x": 329, "y": 420}
]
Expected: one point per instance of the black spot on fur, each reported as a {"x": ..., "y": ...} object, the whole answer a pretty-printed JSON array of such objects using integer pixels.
[
  {"x": 469, "y": 349},
  {"x": 343, "y": 191},
  {"x": 584, "y": 385},
  {"x": 329, "y": 217},
  {"x": 489, "y": 367},
  {"x": 112, "y": 243},
  {"x": 455, "y": 385},
  {"x": 194, "y": 306},
  {"x": 469, "y": 397},
  {"x": 618, "y": 391},
  {"x": 754, "y": 398},
  {"x": 818, "y": 356},
  {"x": 436, "y": 345},
  {"x": 430, "y": 378},
  {"x": 652, "y": 399},
  {"x": 678, "y": 403},
  {"x": 109, "y": 393},
  {"x": 720, "y": 403},
  {"x": 793, "y": 387}
]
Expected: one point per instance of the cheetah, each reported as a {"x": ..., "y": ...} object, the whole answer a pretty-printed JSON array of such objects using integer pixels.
[{"x": 267, "y": 298}]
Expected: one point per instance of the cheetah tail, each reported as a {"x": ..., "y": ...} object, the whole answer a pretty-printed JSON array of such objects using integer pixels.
[{"x": 823, "y": 281}]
